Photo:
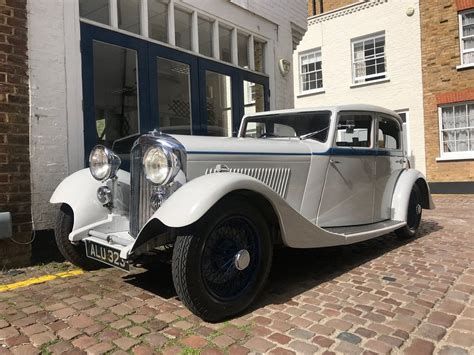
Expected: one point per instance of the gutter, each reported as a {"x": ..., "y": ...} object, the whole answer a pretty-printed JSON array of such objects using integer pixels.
[{"x": 5, "y": 225}]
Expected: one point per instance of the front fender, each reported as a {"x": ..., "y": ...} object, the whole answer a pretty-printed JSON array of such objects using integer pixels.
[
  {"x": 79, "y": 191},
  {"x": 190, "y": 202},
  {"x": 401, "y": 194}
]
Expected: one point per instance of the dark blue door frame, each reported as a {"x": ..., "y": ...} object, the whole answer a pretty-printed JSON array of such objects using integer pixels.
[{"x": 147, "y": 52}]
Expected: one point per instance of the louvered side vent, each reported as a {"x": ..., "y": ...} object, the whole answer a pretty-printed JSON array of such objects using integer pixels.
[
  {"x": 141, "y": 190},
  {"x": 275, "y": 178}
]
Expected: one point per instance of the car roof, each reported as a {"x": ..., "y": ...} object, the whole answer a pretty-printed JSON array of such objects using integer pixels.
[{"x": 335, "y": 109}]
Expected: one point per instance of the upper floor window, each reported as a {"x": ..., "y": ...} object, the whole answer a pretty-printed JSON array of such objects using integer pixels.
[
  {"x": 457, "y": 130},
  {"x": 368, "y": 59},
  {"x": 466, "y": 35},
  {"x": 311, "y": 72}
]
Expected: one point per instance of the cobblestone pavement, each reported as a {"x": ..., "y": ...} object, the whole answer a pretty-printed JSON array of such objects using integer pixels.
[{"x": 380, "y": 296}]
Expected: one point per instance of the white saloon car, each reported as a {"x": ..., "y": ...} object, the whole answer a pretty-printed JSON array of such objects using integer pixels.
[{"x": 302, "y": 178}]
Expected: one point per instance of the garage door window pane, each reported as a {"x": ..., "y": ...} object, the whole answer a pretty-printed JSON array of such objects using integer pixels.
[
  {"x": 218, "y": 104},
  {"x": 115, "y": 93},
  {"x": 225, "y": 43},
  {"x": 128, "y": 12},
  {"x": 243, "y": 49},
  {"x": 158, "y": 20},
  {"x": 182, "y": 23},
  {"x": 95, "y": 10},
  {"x": 254, "y": 99},
  {"x": 259, "y": 56},
  {"x": 205, "y": 36},
  {"x": 173, "y": 96}
]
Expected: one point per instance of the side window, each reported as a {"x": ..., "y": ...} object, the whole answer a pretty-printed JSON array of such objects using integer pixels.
[
  {"x": 354, "y": 131},
  {"x": 389, "y": 134}
]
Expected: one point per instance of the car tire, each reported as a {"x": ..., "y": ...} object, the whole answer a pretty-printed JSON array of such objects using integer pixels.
[
  {"x": 76, "y": 254},
  {"x": 220, "y": 269},
  {"x": 413, "y": 215}
]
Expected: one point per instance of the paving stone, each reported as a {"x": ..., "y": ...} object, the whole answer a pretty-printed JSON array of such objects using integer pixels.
[
  {"x": 223, "y": 341},
  {"x": 302, "y": 347},
  {"x": 25, "y": 350},
  {"x": 281, "y": 351},
  {"x": 233, "y": 332},
  {"x": 68, "y": 333},
  {"x": 461, "y": 339},
  {"x": 194, "y": 341},
  {"x": 338, "y": 324},
  {"x": 34, "y": 329},
  {"x": 17, "y": 340},
  {"x": 419, "y": 347},
  {"x": 279, "y": 338},
  {"x": 42, "y": 338},
  {"x": 301, "y": 333},
  {"x": 156, "y": 340},
  {"x": 136, "y": 331},
  {"x": 143, "y": 350},
  {"x": 83, "y": 342},
  {"x": 323, "y": 341},
  {"x": 8, "y": 332},
  {"x": 452, "y": 350},
  {"x": 125, "y": 343},
  {"x": 431, "y": 331},
  {"x": 349, "y": 337},
  {"x": 378, "y": 347},
  {"x": 440, "y": 318},
  {"x": 60, "y": 347},
  {"x": 100, "y": 348}
]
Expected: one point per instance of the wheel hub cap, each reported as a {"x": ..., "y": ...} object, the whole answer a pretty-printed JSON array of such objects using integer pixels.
[
  {"x": 418, "y": 209},
  {"x": 242, "y": 259}
]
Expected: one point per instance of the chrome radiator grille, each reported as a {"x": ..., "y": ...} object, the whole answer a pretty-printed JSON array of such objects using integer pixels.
[
  {"x": 275, "y": 178},
  {"x": 141, "y": 190}
]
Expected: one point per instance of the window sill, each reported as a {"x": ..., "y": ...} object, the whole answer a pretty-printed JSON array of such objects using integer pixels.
[
  {"x": 373, "y": 82},
  {"x": 465, "y": 66},
  {"x": 458, "y": 157},
  {"x": 311, "y": 92}
]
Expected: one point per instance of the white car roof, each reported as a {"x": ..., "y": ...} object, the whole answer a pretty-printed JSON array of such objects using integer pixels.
[{"x": 335, "y": 109}]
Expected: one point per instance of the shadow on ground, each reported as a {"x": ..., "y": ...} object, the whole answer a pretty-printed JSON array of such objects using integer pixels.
[{"x": 294, "y": 271}]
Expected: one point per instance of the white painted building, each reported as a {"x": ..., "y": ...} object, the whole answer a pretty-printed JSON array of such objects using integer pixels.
[
  {"x": 368, "y": 52},
  {"x": 104, "y": 70}
]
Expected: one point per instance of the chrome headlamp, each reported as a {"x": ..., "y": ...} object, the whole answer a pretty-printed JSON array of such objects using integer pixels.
[
  {"x": 103, "y": 163},
  {"x": 161, "y": 165}
]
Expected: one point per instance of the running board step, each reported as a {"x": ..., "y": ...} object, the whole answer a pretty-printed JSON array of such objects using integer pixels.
[{"x": 379, "y": 228}]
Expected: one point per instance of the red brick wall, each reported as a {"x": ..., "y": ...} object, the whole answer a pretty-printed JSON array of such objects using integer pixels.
[
  {"x": 464, "y": 4},
  {"x": 328, "y": 5},
  {"x": 15, "y": 194},
  {"x": 442, "y": 82}
]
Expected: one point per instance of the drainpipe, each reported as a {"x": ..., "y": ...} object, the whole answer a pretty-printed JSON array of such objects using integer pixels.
[
  {"x": 314, "y": 7},
  {"x": 5, "y": 225},
  {"x": 321, "y": 10}
]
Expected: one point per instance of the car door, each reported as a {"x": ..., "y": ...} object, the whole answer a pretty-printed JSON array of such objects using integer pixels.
[
  {"x": 348, "y": 194},
  {"x": 389, "y": 163}
]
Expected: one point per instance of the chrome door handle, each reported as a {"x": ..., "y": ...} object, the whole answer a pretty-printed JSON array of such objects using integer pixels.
[
  {"x": 401, "y": 161},
  {"x": 332, "y": 161}
]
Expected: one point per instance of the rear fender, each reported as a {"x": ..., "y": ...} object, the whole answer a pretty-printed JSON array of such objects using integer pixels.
[
  {"x": 79, "y": 191},
  {"x": 401, "y": 194}
]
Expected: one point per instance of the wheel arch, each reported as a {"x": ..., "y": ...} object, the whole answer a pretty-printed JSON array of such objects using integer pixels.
[{"x": 401, "y": 194}]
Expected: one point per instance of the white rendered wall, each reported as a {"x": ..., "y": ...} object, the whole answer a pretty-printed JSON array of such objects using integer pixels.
[
  {"x": 404, "y": 91},
  {"x": 57, "y": 140}
]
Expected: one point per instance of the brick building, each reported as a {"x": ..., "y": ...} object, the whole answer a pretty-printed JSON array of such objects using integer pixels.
[
  {"x": 102, "y": 70},
  {"x": 447, "y": 43},
  {"x": 424, "y": 69},
  {"x": 15, "y": 195}
]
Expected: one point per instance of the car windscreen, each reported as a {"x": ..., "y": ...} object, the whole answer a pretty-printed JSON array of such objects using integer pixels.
[{"x": 313, "y": 125}]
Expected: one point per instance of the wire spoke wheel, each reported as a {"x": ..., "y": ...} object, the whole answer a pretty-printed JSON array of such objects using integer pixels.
[{"x": 231, "y": 257}]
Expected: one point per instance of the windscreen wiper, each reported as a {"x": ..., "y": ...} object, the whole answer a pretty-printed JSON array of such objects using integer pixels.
[{"x": 309, "y": 135}]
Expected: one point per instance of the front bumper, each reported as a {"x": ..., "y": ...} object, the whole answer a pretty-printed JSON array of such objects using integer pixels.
[{"x": 112, "y": 232}]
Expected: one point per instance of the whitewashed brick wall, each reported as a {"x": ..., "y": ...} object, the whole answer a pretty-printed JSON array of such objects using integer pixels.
[{"x": 404, "y": 90}]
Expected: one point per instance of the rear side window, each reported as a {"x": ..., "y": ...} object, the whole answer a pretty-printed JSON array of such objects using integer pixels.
[
  {"x": 389, "y": 134},
  {"x": 354, "y": 130}
]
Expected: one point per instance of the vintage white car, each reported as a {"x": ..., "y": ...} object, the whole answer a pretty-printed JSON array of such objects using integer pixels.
[{"x": 303, "y": 178}]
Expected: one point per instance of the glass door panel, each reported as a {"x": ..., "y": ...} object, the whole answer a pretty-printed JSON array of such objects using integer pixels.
[
  {"x": 115, "y": 93},
  {"x": 174, "y": 96},
  {"x": 218, "y": 104},
  {"x": 254, "y": 97}
]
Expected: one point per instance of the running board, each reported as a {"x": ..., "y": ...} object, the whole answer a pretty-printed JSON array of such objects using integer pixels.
[{"x": 354, "y": 234}]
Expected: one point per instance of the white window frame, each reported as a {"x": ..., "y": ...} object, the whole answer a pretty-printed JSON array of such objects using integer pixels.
[
  {"x": 452, "y": 155},
  {"x": 463, "y": 38},
  {"x": 362, "y": 80},
  {"x": 406, "y": 129},
  {"x": 316, "y": 52}
]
